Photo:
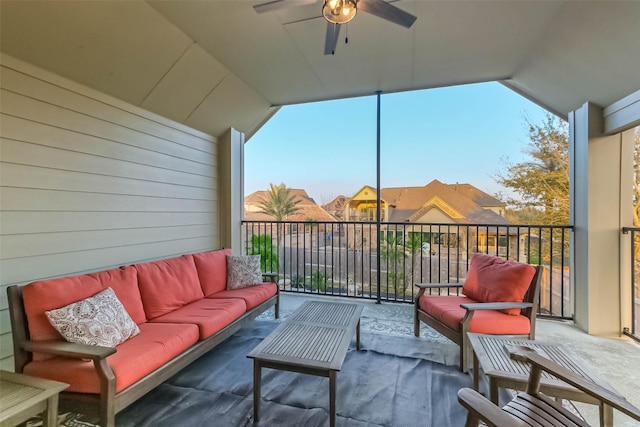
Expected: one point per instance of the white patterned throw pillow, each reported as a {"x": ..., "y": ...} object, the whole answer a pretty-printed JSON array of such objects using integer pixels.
[
  {"x": 98, "y": 320},
  {"x": 243, "y": 271}
]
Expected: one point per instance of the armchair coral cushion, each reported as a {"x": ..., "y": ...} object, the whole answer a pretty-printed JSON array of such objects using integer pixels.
[
  {"x": 448, "y": 311},
  {"x": 493, "y": 279}
]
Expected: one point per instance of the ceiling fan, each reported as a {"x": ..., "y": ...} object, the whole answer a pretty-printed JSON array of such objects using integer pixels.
[{"x": 339, "y": 12}]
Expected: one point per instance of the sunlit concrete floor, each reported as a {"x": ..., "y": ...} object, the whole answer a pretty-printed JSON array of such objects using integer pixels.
[{"x": 616, "y": 360}]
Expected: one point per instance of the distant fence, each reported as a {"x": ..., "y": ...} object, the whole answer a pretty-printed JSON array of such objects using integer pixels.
[{"x": 341, "y": 258}]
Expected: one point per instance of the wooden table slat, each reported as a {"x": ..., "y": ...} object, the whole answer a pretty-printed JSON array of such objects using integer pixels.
[
  {"x": 23, "y": 396},
  {"x": 13, "y": 393}
]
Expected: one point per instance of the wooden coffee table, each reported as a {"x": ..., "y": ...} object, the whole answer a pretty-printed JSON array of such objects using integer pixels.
[
  {"x": 313, "y": 340},
  {"x": 22, "y": 397},
  {"x": 490, "y": 353}
]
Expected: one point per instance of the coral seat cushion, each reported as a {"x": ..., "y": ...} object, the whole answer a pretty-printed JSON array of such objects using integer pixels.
[
  {"x": 448, "y": 311},
  {"x": 153, "y": 347},
  {"x": 210, "y": 315},
  {"x": 253, "y": 296},
  {"x": 212, "y": 270},
  {"x": 493, "y": 279},
  {"x": 51, "y": 294},
  {"x": 168, "y": 285}
]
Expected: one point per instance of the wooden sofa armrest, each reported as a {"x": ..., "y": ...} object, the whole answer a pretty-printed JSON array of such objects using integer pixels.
[
  {"x": 495, "y": 305},
  {"x": 270, "y": 277},
  {"x": 69, "y": 349},
  {"x": 601, "y": 393},
  {"x": 95, "y": 353},
  {"x": 480, "y": 408}
]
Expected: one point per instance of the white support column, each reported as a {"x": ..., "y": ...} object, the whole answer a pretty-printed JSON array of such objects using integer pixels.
[
  {"x": 598, "y": 194},
  {"x": 231, "y": 189}
]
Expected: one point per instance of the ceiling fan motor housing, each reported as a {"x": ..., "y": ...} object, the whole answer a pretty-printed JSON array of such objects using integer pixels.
[{"x": 339, "y": 11}]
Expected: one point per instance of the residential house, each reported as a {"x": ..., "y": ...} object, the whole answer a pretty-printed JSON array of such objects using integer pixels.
[
  {"x": 461, "y": 205},
  {"x": 336, "y": 207}
]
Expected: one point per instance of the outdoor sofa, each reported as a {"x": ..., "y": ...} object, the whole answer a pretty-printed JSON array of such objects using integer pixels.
[{"x": 181, "y": 307}]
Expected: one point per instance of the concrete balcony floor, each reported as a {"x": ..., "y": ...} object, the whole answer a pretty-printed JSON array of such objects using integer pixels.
[{"x": 616, "y": 360}]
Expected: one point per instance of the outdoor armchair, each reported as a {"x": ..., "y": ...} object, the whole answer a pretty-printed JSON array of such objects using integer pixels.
[
  {"x": 498, "y": 297},
  {"x": 532, "y": 408}
]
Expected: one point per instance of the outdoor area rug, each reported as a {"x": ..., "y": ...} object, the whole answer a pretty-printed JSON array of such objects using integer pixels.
[{"x": 392, "y": 381}]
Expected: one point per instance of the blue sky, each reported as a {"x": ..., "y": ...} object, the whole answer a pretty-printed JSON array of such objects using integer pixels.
[{"x": 456, "y": 134}]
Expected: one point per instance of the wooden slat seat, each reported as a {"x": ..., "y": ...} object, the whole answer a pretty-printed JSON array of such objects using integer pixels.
[{"x": 541, "y": 410}]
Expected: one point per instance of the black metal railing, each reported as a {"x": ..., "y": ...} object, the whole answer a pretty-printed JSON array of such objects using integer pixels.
[
  {"x": 635, "y": 282},
  {"x": 341, "y": 258}
]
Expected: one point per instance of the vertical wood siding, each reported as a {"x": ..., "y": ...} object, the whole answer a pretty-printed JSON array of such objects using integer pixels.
[{"x": 89, "y": 183}]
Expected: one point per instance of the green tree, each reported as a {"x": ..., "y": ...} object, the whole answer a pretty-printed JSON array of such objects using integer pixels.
[
  {"x": 280, "y": 204},
  {"x": 542, "y": 182},
  {"x": 262, "y": 244}
]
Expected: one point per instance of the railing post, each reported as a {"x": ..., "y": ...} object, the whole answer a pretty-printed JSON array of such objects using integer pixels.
[{"x": 378, "y": 272}]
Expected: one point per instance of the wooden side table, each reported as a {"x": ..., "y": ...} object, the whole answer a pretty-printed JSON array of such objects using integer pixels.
[{"x": 22, "y": 397}]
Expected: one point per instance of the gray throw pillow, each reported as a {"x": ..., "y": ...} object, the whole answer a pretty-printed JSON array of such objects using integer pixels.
[
  {"x": 98, "y": 320},
  {"x": 243, "y": 271}
]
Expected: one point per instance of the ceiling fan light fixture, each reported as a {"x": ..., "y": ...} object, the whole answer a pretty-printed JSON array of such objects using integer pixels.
[{"x": 339, "y": 11}]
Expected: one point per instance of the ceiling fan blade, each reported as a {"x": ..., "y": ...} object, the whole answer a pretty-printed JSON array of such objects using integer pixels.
[
  {"x": 280, "y": 4},
  {"x": 331, "y": 40},
  {"x": 387, "y": 11}
]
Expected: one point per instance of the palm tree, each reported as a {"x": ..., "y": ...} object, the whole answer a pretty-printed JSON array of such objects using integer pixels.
[
  {"x": 392, "y": 250},
  {"x": 414, "y": 245},
  {"x": 279, "y": 203}
]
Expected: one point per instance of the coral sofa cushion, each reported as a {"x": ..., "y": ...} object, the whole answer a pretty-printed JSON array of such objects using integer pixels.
[
  {"x": 167, "y": 285},
  {"x": 493, "y": 279},
  {"x": 448, "y": 311},
  {"x": 253, "y": 296},
  {"x": 212, "y": 270},
  {"x": 50, "y": 294},
  {"x": 210, "y": 315},
  {"x": 153, "y": 347},
  {"x": 98, "y": 320}
]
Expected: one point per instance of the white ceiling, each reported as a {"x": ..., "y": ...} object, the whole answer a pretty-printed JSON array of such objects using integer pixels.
[{"x": 218, "y": 64}]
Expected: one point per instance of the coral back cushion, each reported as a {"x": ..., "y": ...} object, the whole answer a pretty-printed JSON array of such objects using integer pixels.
[
  {"x": 493, "y": 279},
  {"x": 51, "y": 294},
  {"x": 168, "y": 285},
  {"x": 212, "y": 270}
]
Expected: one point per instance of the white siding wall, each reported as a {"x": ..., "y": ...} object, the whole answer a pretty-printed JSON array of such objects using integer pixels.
[{"x": 88, "y": 182}]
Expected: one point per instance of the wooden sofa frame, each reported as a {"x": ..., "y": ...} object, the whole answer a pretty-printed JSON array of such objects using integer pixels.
[
  {"x": 528, "y": 307},
  {"x": 109, "y": 402}
]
